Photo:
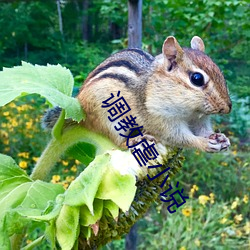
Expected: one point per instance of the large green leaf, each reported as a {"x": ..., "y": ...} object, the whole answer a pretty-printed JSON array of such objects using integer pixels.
[
  {"x": 53, "y": 82},
  {"x": 9, "y": 168},
  {"x": 83, "y": 189},
  {"x": 86, "y": 218},
  {"x": 6, "y": 186},
  {"x": 112, "y": 208},
  {"x": 118, "y": 188},
  {"x": 21, "y": 199},
  {"x": 67, "y": 226},
  {"x": 83, "y": 152},
  {"x": 39, "y": 194}
]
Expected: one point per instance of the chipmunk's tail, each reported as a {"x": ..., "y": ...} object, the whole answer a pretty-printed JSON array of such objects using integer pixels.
[{"x": 50, "y": 117}]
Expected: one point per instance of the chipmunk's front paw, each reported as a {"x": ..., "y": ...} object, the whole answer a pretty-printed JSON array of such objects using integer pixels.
[
  {"x": 217, "y": 142},
  {"x": 136, "y": 140}
]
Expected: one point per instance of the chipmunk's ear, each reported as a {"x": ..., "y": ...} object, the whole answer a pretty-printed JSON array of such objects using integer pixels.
[
  {"x": 197, "y": 43},
  {"x": 171, "y": 49}
]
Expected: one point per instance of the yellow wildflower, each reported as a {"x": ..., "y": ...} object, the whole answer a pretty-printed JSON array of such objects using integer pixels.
[
  {"x": 12, "y": 105},
  {"x": 24, "y": 155},
  {"x": 197, "y": 242},
  {"x": 23, "y": 107},
  {"x": 192, "y": 190},
  {"x": 238, "y": 218},
  {"x": 223, "y": 235},
  {"x": 247, "y": 228},
  {"x": 182, "y": 248},
  {"x": 187, "y": 211},
  {"x": 224, "y": 164},
  {"x": 4, "y": 134},
  {"x": 77, "y": 162},
  {"x": 65, "y": 185},
  {"x": 238, "y": 233},
  {"x": 203, "y": 199},
  {"x": 211, "y": 195},
  {"x": 55, "y": 178},
  {"x": 235, "y": 203},
  {"x": 65, "y": 163},
  {"x": 6, "y": 113},
  {"x": 6, "y": 141},
  {"x": 23, "y": 164},
  {"x": 245, "y": 199},
  {"x": 234, "y": 152},
  {"x": 29, "y": 124},
  {"x": 70, "y": 178},
  {"x": 223, "y": 220},
  {"x": 73, "y": 168},
  {"x": 35, "y": 159},
  {"x": 14, "y": 123}
]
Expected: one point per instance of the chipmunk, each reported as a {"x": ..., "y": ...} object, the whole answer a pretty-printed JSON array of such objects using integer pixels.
[{"x": 171, "y": 95}]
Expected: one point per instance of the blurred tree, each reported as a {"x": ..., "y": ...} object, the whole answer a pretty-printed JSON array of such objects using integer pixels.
[
  {"x": 30, "y": 31},
  {"x": 134, "y": 23}
]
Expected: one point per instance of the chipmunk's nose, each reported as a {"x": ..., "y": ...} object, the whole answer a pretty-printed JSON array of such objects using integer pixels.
[{"x": 226, "y": 109}]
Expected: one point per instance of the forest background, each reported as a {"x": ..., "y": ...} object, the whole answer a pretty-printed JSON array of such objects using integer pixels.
[{"x": 79, "y": 34}]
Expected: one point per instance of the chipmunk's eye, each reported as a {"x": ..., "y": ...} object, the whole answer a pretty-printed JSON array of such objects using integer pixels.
[{"x": 197, "y": 79}]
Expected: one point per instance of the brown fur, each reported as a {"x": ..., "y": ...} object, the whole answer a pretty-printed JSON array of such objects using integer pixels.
[{"x": 160, "y": 94}]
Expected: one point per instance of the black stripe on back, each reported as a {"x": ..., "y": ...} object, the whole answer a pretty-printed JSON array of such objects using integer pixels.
[
  {"x": 142, "y": 53},
  {"x": 118, "y": 77},
  {"x": 118, "y": 63}
]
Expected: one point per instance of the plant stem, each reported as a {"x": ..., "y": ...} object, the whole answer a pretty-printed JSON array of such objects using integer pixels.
[{"x": 57, "y": 147}]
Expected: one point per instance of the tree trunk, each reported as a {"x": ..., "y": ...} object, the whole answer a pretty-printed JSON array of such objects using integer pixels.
[
  {"x": 59, "y": 16},
  {"x": 135, "y": 23},
  {"x": 85, "y": 20}
]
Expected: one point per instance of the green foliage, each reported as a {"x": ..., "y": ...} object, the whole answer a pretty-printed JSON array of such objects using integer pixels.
[
  {"x": 20, "y": 197},
  {"x": 203, "y": 224},
  {"x": 223, "y": 25},
  {"x": 52, "y": 82},
  {"x": 101, "y": 193},
  {"x": 30, "y": 32}
]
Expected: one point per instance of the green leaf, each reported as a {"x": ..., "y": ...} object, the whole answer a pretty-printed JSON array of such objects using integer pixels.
[
  {"x": 53, "y": 82},
  {"x": 20, "y": 197},
  {"x": 39, "y": 194},
  {"x": 86, "y": 218},
  {"x": 26, "y": 202},
  {"x": 86, "y": 231},
  {"x": 34, "y": 243},
  {"x": 4, "y": 240},
  {"x": 83, "y": 189},
  {"x": 67, "y": 226},
  {"x": 118, "y": 188},
  {"x": 6, "y": 186},
  {"x": 51, "y": 211},
  {"x": 14, "y": 223},
  {"x": 83, "y": 152},
  {"x": 14, "y": 198},
  {"x": 112, "y": 208},
  {"x": 9, "y": 168},
  {"x": 50, "y": 234}
]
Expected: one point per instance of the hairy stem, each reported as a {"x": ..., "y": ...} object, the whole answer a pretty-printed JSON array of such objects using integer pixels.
[{"x": 57, "y": 147}]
